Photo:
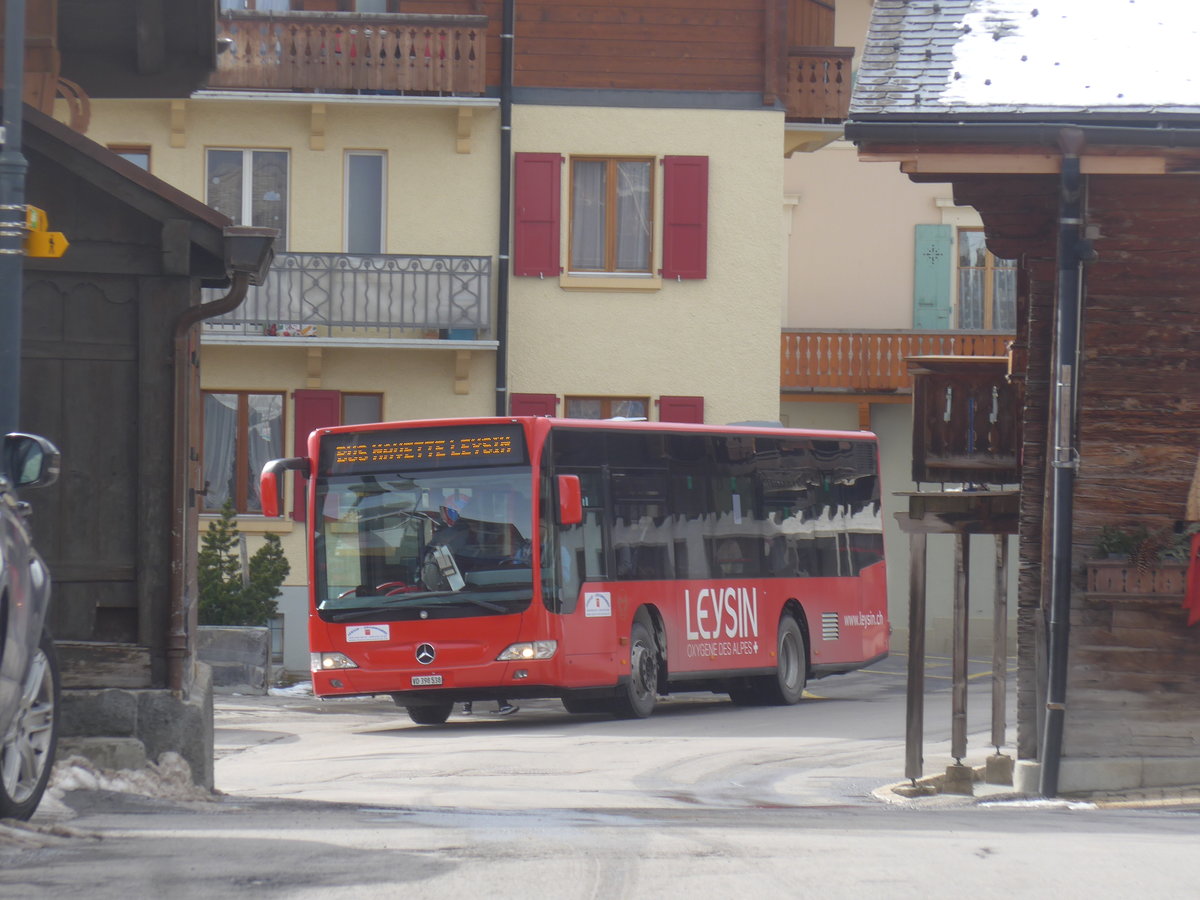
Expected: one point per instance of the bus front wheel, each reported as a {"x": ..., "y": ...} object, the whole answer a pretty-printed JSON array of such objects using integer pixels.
[
  {"x": 640, "y": 693},
  {"x": 433, "y": 714}
]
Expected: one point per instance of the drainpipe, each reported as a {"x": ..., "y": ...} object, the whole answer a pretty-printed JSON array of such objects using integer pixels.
[
  {"x": 506, "y": 84},
  {"x": 1072, "y": 251},
  {"x": 12, "y": 219},
  {"x": 182, "y": 495}
]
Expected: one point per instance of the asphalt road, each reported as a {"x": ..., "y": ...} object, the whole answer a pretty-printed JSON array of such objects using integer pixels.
[{"x": 349, "y": 799}]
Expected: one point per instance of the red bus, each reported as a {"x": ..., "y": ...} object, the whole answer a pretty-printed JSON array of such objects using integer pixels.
[{"x": 603, "y": 562}]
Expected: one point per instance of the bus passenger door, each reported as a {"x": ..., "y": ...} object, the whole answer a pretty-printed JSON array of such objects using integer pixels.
[{"x": 589, "y": 634}]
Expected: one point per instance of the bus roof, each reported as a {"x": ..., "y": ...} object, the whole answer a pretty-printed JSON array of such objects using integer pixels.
[{"x": 541, "y": 423}]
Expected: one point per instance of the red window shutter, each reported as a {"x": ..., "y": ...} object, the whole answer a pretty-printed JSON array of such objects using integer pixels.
[
  {"x": 314, "y": 409},
  {"x": 537, "y": 186},
  {"x": 681, "y": 409},
  {"x": 685, "y": 217},
  {"x": 532, "y": 404}
]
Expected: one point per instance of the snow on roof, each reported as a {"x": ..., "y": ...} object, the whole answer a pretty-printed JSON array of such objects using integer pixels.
[
  {"x": 1109, "y": 53},
  {"x": 1024, "y": 56}
]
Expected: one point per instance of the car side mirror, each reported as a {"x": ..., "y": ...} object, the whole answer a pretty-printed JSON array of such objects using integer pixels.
[{"x": 30, "y": 460}]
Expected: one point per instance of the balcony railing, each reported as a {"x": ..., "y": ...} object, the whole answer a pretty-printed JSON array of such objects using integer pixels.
[
  {"x": 871, "y": 361},
  {"x": 818, "y": 83},
  {"x": 340, "y": 295},
  {"x": 348, "y": 52}
]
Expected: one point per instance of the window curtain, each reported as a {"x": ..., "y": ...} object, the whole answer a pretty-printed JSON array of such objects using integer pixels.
[
  {"x": 268, "y": 204},
  {"x": 225, "y": 183},
  {"x": 220, "y": 449},
  {"x": 633, "y": 217},
  {"x": 264, "y": 442},
  {"x": 588, "y": 185}
]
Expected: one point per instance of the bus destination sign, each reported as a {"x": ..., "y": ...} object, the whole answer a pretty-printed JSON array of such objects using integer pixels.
[{"x": 426, "y": 448}]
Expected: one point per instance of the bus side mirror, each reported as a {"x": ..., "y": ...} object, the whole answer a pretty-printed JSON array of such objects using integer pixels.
[
  {"x": 570, "y": 500},
  {"x": 270, "y": 489}
]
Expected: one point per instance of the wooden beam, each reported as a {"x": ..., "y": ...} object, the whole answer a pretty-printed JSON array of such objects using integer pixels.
[
  {"x": 1017, "y": 163},
  {"x": 178, "y": 123},
  {"x": 463, "y": 142},
  {"x": 858, "y": 399},
  {"x": 462, "y": 371},
  {"x": 316, "y": 127},
  {"x": 151, "y": 37}
]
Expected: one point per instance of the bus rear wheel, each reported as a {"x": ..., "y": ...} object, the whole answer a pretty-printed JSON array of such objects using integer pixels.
[
  {"x": 640, "y": 693},
  {"x": 432, "y": 714}
]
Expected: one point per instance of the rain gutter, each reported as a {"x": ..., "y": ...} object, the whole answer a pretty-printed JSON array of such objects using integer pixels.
[
  {"x": 909, "y": 132},
  {"x": 506, "y": 86}
]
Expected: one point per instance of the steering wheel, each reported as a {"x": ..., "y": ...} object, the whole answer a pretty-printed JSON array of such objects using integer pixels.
[{"x": 391, "y": 588}]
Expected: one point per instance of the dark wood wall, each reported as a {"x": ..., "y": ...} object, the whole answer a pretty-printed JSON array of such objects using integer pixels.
[
  {"x": 97, "y": 380},
  {"x": 1134, "y": 677},
  {"x": 686, "y": 45}
]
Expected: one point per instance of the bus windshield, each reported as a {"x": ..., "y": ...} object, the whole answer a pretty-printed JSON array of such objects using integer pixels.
[{"x": 439, "y": 543}]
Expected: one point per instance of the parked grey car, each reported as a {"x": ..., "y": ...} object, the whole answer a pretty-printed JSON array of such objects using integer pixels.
[{"x": 29, "y": 681}]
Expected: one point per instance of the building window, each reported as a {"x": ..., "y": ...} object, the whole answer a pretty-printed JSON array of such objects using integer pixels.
[
  {"x": 611, "y": 213},
  {"x": 987, "y": 286},
  {"x": 607, "y": 407},
  {"x": 365, "y": 210},
  {"x": 251, "y": 187},
  {"x": 242, "y": 431},
  {"x": 361, "y": 409},
  {"x": 276, "y": 625},
  {"x": 139, "y": 155}
]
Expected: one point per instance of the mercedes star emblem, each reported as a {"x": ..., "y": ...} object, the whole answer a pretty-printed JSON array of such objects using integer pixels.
[{"x": 426, "y": 654}]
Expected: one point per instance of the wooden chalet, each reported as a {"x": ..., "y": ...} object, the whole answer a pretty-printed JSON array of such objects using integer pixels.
[
  {"x": 1085, "y": 174},
  {"x": 109, "y": 349}
]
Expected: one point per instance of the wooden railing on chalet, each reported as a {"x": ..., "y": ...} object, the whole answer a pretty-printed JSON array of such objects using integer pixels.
[
  {"x": 817, "y": 85},
  {"x": 872, "y": 361},
  {"x": 349, "y": 52}
]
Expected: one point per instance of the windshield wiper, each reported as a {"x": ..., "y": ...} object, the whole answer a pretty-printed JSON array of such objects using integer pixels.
[{"x": 370, "y": 612}]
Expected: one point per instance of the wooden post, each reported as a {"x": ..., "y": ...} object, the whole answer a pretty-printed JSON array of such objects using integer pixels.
[
  {"x": 958, "y": 720},
  {"x": 1000, "y": 644},
  {"x": 915, "y": 701}
]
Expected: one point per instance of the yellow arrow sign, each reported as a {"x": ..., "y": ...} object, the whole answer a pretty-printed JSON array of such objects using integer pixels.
[
  {"x": 51, "y": 244},
  {"x": 39, "y": 241}
]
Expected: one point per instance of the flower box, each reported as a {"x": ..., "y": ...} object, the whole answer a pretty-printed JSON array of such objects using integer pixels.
[{"x": 1122, "y": 577}]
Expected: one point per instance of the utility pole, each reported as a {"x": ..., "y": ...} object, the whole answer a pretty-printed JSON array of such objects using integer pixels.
[{"x": 12, "y": 219}]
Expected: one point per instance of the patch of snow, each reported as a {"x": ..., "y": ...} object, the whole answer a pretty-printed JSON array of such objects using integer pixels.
[
  {"x": 1102, "y": 53},
  {"x": 1041, "y": 804},
  {"x": 300, "y": 689},
  {"x": 169, "y": 779}
]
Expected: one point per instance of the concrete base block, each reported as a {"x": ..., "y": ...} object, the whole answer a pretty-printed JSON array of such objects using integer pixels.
[
  {"x": 959, "y": 779},
  {"x": 123, "y": 729},
  {"x": 998, "y": 769},
  {"x": 1027, "y": 774},
  {"x": 105, "y": 752}
]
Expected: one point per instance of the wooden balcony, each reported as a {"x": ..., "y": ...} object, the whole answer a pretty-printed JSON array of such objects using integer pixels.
[
  {"x": 411, "y": 54},
  {"x": 871, "y": 362},
  {"x": 817, "y": 85}
]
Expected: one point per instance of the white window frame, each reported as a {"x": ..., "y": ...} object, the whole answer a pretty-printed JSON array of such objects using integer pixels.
[
  {"x": 383, "y": 205},
  {"x": 246, "y": 216}
]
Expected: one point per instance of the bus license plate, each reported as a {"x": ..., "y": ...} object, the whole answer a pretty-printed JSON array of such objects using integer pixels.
[{"x": 426, "y": 680}]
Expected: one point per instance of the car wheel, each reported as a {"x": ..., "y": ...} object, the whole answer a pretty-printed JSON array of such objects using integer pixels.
[{"x": 27, "y": 754}]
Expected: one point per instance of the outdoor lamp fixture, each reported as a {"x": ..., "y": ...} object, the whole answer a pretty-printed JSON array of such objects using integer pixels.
[{"x": 250, "y": 251}]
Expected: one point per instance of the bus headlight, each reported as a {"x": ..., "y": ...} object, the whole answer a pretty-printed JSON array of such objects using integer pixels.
[
  {"x": 323, "y": 662},
  {"x": 529, "y": 650}
]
